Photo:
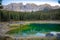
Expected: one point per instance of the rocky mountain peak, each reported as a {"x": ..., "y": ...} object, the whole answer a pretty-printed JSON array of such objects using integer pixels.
[{"x": 29, "y": 7}]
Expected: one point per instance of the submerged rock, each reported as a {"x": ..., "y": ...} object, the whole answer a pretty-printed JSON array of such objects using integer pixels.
[{"x": 49, "y": 35}]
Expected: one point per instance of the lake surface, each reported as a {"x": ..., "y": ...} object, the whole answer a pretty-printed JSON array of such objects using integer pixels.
[{"x": 34, "y": 29}]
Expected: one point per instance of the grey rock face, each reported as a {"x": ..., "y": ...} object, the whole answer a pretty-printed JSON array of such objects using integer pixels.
[{"x": 28, "y": 7}]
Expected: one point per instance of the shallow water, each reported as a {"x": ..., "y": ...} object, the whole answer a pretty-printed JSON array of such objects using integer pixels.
[{"x": 35, "y": 29}]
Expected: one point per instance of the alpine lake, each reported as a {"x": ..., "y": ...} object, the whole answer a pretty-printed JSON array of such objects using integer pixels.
[{"x": 20, "y": 29}]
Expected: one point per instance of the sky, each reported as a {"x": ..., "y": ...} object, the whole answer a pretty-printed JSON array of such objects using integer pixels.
[{"x": 38, "y": 2}]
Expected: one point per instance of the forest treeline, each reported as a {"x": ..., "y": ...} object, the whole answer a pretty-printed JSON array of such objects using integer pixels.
[{"x": 38, "y": 15}]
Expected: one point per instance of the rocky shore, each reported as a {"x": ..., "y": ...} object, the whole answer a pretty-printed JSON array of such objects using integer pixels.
[{"x": 4, "y": 27}]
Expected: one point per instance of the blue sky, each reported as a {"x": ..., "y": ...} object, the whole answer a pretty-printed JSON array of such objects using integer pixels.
[{"x": 38, "y": 2}]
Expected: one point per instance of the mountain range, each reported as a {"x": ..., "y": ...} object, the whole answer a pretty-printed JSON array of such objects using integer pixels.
[{"x": 28, "y": 7}]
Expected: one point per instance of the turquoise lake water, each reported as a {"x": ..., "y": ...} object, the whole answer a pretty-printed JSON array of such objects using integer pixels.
[{"x": 36, "y": 29}]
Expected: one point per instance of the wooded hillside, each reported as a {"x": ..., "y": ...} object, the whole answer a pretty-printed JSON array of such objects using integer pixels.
[{"x": 38, "y": 15}]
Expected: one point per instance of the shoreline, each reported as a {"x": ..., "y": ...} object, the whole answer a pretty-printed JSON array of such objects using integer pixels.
[{"x": 37, "y": 21}]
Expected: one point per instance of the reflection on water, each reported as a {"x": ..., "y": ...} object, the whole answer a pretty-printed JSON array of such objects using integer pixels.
[
  {"x": 35, "y": 29},
  {"x": 31, "y": 35}
]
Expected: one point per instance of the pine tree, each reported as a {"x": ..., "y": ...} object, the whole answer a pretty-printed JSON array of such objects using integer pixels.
[
  {"x": 1, "y": 4},
  {"x": 59, "y": 1}
]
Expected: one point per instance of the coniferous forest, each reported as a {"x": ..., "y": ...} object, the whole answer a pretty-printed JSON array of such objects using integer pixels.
[{"x": 29, "y": 16}]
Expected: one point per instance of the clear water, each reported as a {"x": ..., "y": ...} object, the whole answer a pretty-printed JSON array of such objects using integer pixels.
[{"x": 35, "y": 29}]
